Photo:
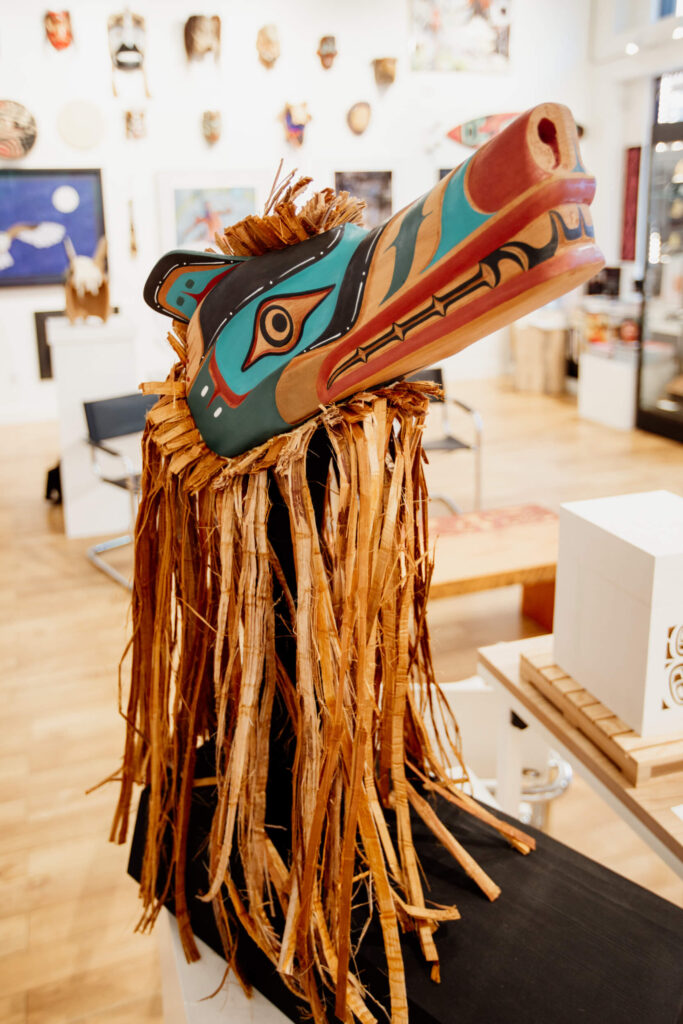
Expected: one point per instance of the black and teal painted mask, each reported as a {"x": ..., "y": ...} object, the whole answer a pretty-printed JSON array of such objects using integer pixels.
[{"x": 273, "y": 338}]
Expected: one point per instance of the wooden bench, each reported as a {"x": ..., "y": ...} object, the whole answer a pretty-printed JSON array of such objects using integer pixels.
[{"x": 498, "y": 548}]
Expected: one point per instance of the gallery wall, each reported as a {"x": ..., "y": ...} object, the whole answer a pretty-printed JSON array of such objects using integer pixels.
[{"x": 549, "y": 48}]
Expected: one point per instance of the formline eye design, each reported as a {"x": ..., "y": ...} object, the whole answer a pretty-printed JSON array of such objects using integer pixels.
[
  {"x": 279, "y": 322},
  {"x": 276, "y": 325}
]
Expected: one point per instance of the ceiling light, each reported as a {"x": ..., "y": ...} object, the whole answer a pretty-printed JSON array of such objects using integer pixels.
[{"x": 632, "y": 48}]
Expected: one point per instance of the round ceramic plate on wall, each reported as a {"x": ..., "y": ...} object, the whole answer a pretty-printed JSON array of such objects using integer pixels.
[
  {"x": 81, "y": 124},
  {"x": 17, "y": 130}
]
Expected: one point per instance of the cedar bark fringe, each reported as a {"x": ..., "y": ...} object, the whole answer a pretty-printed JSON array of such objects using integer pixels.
[{"x": 362, "y": 703}]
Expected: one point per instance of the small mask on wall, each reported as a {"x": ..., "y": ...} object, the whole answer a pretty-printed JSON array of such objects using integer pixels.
[
  {"x": 327, "y": 51},
  {"x": 17, "y": 130},
  {"x": 58, "y": 29},
  {"x": 203, "y": 36},
  {"x": 211, "y": 126},
  {"x": 268, "y": 45},
  {"x": 295, "y": 117},
  {"x": 136, "y": 126},
  {"x": 127, "y": 33},
  {"x": 358, "y": 117},
  {"x": 385, "y": 70}
]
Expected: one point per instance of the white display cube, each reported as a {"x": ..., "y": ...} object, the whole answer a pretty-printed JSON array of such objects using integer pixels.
[
  {"x": 619, "y": 606},
  {"x": 607, "y": 388}
]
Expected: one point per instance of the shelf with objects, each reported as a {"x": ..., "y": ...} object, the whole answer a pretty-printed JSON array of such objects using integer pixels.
[
  {"x": 660, "y": 376},
  {"x": 604, "y": 346}
]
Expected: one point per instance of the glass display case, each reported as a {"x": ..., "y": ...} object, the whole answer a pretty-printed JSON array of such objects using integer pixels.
[{"x": 660, "y": 379}]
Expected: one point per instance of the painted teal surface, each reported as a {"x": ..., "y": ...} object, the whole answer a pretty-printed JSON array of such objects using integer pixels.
[
  {"x": 404, "y": 244},
  {"x": 236, "y": 430},
  {"x": 458, "y": 219},
  {"x": 200, "y": 279},
  {"x": 471, "y": 132},
  {"x": 578, "y": 166},
  {"x": 234, "y": 341}
]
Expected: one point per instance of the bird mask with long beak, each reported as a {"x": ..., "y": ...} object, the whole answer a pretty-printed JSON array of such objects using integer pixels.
[{"x": 273, "y": 338}]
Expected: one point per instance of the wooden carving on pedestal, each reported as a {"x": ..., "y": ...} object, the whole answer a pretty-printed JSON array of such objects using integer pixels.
[
  {"x": 282, "y": 557},
  {"x": 86, "y": 285}
]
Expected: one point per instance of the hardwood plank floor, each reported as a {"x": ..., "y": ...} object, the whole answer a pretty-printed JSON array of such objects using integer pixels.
[{"x": 67, "y": 909}]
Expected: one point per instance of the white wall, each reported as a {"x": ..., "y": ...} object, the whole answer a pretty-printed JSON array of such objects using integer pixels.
[{"x": 549, "y": 47}]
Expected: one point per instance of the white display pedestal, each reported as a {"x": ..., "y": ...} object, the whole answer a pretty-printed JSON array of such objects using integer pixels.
[
  {"x": 185, "y": 987},
  {"x": 90, "y": 360},
  {"x": 607, "y": 388},
  {"x": 540, "y": 347},
  {"x": 619, "y": 606}
]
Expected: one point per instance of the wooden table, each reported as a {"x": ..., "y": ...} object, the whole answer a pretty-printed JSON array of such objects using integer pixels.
[
  {"x": 498, "y": 548},
  {"x": 654, "y": 809}
]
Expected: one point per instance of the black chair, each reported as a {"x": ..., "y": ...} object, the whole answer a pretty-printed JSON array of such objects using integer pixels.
[
  {"x": 448, "y": 442},
  {"x": 108, "y": 419}
]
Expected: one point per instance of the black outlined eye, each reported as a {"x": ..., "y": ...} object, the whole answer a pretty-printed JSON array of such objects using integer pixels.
[
  {"x": 279, "y": 322},
  {"x": 276, "y": 326}
]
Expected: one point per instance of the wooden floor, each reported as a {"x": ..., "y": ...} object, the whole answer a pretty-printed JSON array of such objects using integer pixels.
[{"x": 67, "y": 908}]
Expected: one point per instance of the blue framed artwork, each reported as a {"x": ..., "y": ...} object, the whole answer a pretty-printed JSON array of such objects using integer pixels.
[{"x": 38, "y": 209}]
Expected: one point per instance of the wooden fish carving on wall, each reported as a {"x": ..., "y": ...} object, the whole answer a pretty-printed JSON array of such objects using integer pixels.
[
  {"x": 273, "y": 338},
  {"x": 474, "y": 133}
]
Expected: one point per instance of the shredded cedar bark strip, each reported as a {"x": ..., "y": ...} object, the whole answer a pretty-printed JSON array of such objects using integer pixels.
[
  {"x": 515, "y": 836},
  {"x": 363, "y": 704}
]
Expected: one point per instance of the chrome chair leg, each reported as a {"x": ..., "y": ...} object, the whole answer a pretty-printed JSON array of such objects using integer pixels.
[
  {"x": 97, "y": 550},
  {"x": 537, "y": 795}
]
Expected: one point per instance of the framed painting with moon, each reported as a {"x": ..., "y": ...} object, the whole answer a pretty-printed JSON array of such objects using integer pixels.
[{"x": 38, "y": 210}]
